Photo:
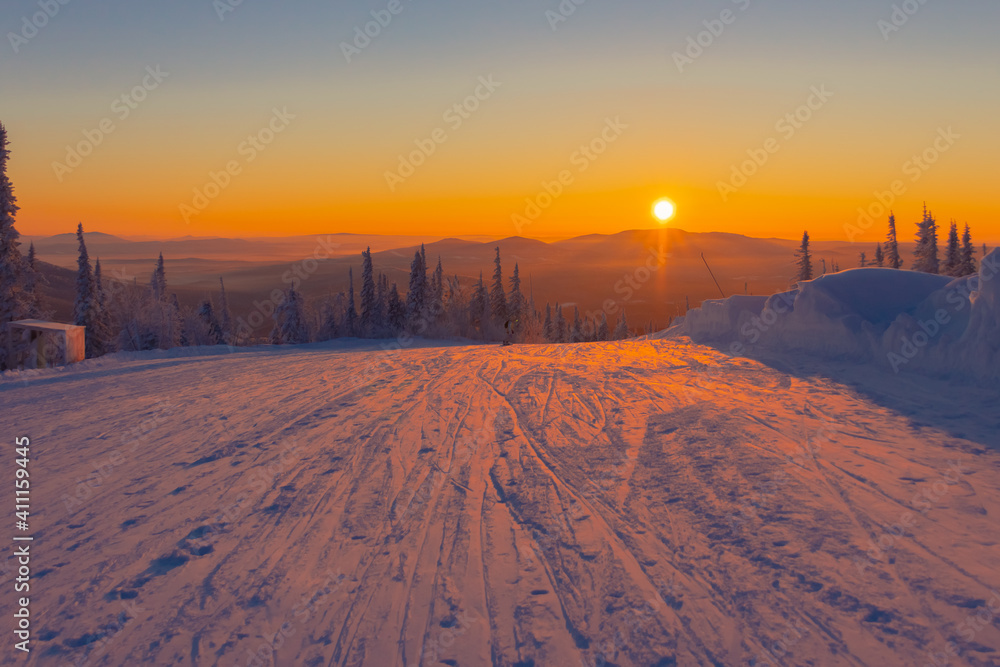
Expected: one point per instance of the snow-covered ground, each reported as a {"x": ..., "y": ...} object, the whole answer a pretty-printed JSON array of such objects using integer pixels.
[
  {"x": 898, "y": 320},
  {"x": 640, "y": 503}
]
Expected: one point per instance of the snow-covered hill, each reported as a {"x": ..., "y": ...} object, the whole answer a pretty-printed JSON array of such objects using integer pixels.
[
  {"x": 640, "y": 503},
  {"x": 897, "y": 320}
]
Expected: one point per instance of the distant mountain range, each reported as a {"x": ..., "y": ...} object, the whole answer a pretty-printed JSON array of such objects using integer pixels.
[{"x": 587, "y": 271}]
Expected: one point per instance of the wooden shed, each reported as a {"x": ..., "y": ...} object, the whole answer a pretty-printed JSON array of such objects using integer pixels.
[{"x": 40, "y": 344}]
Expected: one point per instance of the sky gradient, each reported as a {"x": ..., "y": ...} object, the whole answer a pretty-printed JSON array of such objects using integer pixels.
[{"x": 328, "y": 131}]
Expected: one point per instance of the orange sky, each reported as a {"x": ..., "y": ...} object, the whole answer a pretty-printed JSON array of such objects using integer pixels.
[{"x": 678, "y": 133}]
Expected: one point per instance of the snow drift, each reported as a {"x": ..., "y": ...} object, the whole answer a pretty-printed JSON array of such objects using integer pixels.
[{"x": 904, "y": 320}]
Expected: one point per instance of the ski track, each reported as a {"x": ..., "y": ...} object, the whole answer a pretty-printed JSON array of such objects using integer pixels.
[{"x": 640, "y": 503}]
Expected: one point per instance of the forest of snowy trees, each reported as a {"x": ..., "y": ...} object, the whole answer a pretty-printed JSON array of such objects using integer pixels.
[
  {"x": 959, "y": 256},
  {"x": 129, "y": 316}
]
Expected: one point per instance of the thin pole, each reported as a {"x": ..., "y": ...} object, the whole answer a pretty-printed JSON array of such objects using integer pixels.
[{"x": 713, "y": 275}]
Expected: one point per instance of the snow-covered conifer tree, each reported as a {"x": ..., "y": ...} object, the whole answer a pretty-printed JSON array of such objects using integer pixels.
[
  {"x": 892, "y": 258},
  {"x": 12, "y": 305},
  {"x": 213, "y": 329},
  {"x": 498, "y": 298},
  {"x": 603, "y": 329},
  {"x": 290, "y": 326},
  {"x": 926, "y": 253},
  {"x": 561, "y": 330},
  {"x": 32, "y": 289},
  {"x": 804, "y": 260},
  {"x": 368, "y": 304},
  {"x": 225, "y": 316},
  {"x": 437, "y": 286},
  {"x": 395, "y": 311},
  {"x": 953, "y": 253},
  {"x": 516, "y": 307},
  {"x": 85, "y": 305},
  {"x": 968, "y": 266},
  {"x": 350, "y": 326},
  {"x": 576, "y": 330},
  {"x": 415, "y": 303},
  {"x": 621, "y": 330}
]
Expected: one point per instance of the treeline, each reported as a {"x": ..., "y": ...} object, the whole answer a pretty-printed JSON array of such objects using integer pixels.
[
  {"x": 122, "y": 315},
  {"x": 959, "y": 254},
  {"x": 128, "y": 316}
]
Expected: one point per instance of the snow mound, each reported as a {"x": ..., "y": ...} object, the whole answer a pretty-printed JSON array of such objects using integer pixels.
[{"x": 903, "y": 320}]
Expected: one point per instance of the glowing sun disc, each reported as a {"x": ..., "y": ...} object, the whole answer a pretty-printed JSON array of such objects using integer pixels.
[{"x": 664, "y": 209}]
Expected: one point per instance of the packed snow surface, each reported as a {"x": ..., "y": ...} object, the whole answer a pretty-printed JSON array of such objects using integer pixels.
[
  {"x": 639, "y": 503},
  {"x": 900, "y": 320}
]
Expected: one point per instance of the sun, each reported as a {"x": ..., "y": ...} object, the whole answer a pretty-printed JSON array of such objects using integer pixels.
[{"x": 664, "y": 210}]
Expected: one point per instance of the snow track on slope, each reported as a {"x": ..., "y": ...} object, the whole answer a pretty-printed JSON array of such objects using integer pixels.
[{"x": 639, "y": 503}]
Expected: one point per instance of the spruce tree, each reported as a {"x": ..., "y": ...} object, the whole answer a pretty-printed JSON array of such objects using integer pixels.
[
  {"x": 368, "y": 305},
  {"x": 351, "y": 313},
  {"x": 863, "y": 260},
  {"x": 381, "y": 306},
  {"x": 561, "y": 332},
  {"x": 158, "y": 281},
  {"x": 498, "y": 298},
  {"x": 173, "y": 330},
  {"x": 225, "y": 317},
  {"x": 12, "y": 306},
  {"x": 968, "y": 263},
  {"x": 85, "y": 306},
  {"x": 926, "y": 253},
  {"x": 212, "y": 327},
  {"x": 603, "y": 329},
  {"x": 548, "y": 329},
  {"x": 621, "y": 330},
  {"x": 395, "y": 311},
  {"x": 953, "y": 253},
  {"x": 415, "y": 304},
  {"x": 892, "y": 258},
  {"x": 437, "y": 283},
  {"x": 576, "y": 330},
  {"x": 479, "y": 307},
  {"x": 516, "y": 306},
  {"x": 289, "y": 321},
  {"x": 102, "y": 335},
  {"x": 879, "y": 255},
  {"x": 804, "y": 260},
  {"x": 32, "y": 290}
]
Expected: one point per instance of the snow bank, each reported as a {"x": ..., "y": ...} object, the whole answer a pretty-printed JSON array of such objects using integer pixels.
[{"x": 903, "y": 320}]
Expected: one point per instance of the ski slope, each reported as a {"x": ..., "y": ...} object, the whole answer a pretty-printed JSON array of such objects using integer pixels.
[{"x": 639, "y": 503}]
